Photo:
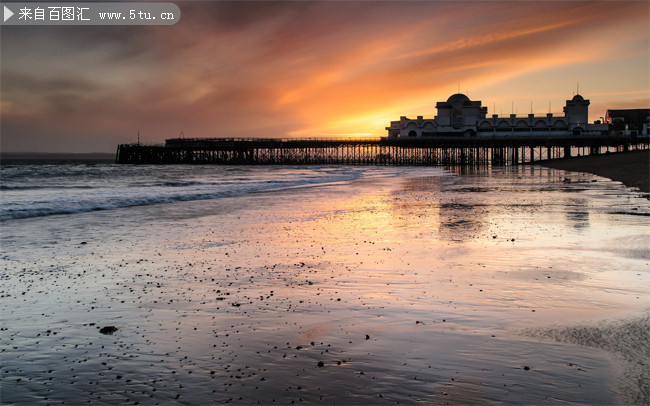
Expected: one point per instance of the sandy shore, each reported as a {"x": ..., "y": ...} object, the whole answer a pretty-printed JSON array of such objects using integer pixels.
[
  {"x": 631, "y": 168},
  {"x": 504, "y": 285}
]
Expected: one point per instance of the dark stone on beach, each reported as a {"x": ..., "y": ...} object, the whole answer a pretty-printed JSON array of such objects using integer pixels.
[
  {"x": 367, "y": 337},
  {"x": 108, "y": 330},
  {"x": 526, "y": 368},
  {"x": 83, "y": 243},
  {"x": 321, "y": 364}
]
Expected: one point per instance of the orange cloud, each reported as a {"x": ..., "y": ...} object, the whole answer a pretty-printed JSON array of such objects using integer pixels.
[{"x": 275, "y": 69}]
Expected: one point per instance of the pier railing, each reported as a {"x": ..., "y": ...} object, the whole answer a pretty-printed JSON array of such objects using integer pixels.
[{"x": 374, "y": 151}]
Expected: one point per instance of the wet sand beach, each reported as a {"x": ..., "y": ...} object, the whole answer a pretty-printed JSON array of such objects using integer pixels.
[
  {"x": 631, "y": 168},
  {"x": 420, "y": 285}
]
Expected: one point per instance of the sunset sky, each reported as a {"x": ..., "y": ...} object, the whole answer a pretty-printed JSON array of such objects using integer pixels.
[{"x": 313, "y": 69}]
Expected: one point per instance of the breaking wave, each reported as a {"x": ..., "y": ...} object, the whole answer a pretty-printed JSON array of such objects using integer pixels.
[{"x": 28, "y": 194}]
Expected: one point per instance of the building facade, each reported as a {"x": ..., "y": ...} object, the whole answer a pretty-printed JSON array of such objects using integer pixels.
[
  {"x": 461, "y": 117},
  {"x": 631, "y": 122}
]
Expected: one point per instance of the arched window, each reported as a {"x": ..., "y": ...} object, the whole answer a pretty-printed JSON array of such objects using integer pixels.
[
  {"x": 412, "y": 133},
  {"x": 504, "y": 126},
  {"x": 485, "y": 126},
  {"x": 540, "y": 125}
]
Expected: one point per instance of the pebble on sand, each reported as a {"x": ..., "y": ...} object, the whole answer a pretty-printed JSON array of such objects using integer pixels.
[{"x": 108, "y": 330}]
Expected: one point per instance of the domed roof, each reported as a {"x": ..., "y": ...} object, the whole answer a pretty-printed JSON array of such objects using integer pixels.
[
  {"x": 458, "y": 98},
  {"x": 578, "y": 98}
]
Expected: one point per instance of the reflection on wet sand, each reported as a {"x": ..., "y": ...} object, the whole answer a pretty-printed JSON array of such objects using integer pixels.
[{"x": 390, "y": 290}]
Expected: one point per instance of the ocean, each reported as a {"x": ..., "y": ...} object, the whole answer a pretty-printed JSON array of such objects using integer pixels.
[
  {"x": 321, "y": 285},
  {"x": 44, "y": 189}
]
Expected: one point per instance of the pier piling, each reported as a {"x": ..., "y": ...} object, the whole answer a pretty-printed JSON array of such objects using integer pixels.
[{"x": 432, "y": 152}]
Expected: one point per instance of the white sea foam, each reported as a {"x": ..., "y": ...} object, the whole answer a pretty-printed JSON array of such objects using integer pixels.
[{"x": 44, "y": 190}]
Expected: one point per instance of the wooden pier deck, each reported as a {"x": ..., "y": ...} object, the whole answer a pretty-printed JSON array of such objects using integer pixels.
[{"x": 380, "y": 151}]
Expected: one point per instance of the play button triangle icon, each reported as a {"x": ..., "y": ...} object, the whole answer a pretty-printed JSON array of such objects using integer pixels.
[{"x": 8, "y": 13}]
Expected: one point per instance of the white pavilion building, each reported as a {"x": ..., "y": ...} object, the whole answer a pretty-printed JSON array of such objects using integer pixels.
[{"x": 461, "y": 117}]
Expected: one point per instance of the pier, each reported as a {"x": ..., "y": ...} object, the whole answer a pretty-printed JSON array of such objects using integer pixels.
[{"x": 477, "y": 151}]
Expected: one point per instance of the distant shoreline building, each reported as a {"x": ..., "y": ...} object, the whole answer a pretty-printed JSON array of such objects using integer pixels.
[
  {"x": 461, "y": 117},
  {"x": 632, "y": 122}
]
